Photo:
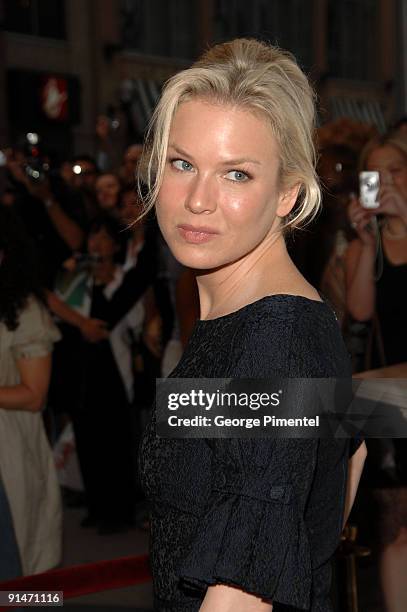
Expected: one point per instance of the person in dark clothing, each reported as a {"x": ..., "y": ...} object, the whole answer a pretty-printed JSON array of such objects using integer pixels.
[
  {"x": 244, "y": 524},
  {"x": 380, "y": 303},
  {"x": 380, "y": 300},
  {"x": 100, "y": 388}
]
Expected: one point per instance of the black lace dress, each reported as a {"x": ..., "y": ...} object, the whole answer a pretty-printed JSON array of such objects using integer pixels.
[{"x": 265, "y": 515}]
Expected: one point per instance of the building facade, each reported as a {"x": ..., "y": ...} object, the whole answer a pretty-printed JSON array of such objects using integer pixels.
[{"x": 63, "y": 62}]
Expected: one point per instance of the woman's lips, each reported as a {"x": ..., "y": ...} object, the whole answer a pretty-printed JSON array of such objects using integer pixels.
[{"x": 196, "y": 235}]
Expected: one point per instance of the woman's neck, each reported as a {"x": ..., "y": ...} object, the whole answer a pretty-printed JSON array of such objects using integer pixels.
[{"x": 266, "y": 270}]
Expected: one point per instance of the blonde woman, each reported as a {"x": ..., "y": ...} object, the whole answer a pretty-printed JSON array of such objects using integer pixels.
[
  {"x": 243, "y": 525},
  {"x": 382, "y": 298},
  {"x": 384, "y": 301}
]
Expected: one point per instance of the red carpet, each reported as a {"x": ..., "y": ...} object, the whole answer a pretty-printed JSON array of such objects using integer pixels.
[{"x": 84, "y": 579}]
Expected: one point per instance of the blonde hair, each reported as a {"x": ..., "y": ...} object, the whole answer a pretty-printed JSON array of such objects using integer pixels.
[
  {"x": 258, "y": 77},
  {"x": 394, "y": 139}
]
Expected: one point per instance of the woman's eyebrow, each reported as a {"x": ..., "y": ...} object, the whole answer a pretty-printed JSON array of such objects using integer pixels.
[
  {"x": 226, "y": 162},
  {"x": 179, "y": 151},
  {"x": 241, "y": 160}
]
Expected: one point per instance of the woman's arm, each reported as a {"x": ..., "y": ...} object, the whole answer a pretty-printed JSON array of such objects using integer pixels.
[
  {"x": 93, "y": 330},
  {"x": 356, "y": 463},
  {"x": 360, "y": 283},
  {"x": 32, "y": 391},
  {"x": 359, "y": 263},
  {"x": 225, "y": 598},
  {"x": 68, "y": 229}
]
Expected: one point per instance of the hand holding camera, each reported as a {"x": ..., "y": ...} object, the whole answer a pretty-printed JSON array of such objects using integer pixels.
[
  {"x": 379, "y": 193},
  {"x": 361, "y": 221}
]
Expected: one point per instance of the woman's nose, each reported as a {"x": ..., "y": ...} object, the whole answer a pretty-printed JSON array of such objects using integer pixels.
[{"x": 201, "y": 197}]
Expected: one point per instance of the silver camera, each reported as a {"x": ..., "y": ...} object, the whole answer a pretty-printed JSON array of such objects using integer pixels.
[{"x": 369, "y": 185}]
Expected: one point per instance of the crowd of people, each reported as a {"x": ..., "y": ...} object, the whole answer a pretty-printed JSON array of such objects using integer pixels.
[
  {"x": 85, "y": 276},
  {"x": 82, "y": 280}
]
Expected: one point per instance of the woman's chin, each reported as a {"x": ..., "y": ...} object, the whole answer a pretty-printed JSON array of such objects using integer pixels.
[{"x": 197, "y": 258}]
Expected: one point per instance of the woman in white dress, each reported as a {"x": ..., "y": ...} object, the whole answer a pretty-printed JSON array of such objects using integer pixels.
[{"x": 27, "y": 470}]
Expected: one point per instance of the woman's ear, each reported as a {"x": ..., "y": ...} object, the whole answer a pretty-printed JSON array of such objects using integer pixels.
[{"x": 287, "y": 199}]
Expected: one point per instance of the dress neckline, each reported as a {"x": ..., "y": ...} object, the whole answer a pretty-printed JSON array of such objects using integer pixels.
[{"x": 274, "y": 296}]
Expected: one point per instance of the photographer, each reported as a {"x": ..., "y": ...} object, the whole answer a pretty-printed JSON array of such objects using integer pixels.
[
  {"x": 53, "y": 213},
  {"x": 377, "y": 298},
  {"x": 98, "y": 392},
  {"x": 368, "y": 299}
]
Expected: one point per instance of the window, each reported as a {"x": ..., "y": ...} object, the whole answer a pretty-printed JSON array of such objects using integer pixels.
[
  {"x": 353, "y": 38},
  {"x": 35, "y": 17},
  {"x": 159, "y": 28},
  {"x": 287, "y": 23}
]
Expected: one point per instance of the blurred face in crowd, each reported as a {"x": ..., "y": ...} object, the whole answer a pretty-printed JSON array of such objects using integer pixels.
[
  {"x": 132, "y": 155},
  {"x": 107, "y": 191},
  {"x": 130, "y": 161},
  {"x": 130, "y": 207},
  {"x": 219, "y": 198},
  {"x": 101, "y": 243},
  {"x": 392, "y": 165},
  {"x": 84, "y": 174}
]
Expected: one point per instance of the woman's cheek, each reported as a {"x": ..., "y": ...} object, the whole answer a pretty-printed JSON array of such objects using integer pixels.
[
  {"x": 169, "y": 194},
  {"x": 240, "y": 209},
  {"x": 401, "y": 184}
]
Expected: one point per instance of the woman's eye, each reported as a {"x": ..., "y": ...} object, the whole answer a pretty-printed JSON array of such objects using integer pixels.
[
  {"x": 181, "y": 164},
  {"x": 238, "y": 176}
]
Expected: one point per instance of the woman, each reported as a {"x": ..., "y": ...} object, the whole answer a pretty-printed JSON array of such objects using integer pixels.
[
  {"x": 382, "y": 302},
  {"x": 229, "y": 164},
  {"x": 27, "y": 470},
  {"x": 380, "y": 299}
]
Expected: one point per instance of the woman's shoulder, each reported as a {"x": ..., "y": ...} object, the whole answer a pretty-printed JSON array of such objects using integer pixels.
[
  {"x": 33, "y": 311},
  {"x": 35, "y": 323},
  {"x": 281, "y": 313},
  {"x": 293, "y": 334}
]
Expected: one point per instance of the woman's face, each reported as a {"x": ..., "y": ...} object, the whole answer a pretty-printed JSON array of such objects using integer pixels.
[
  {"x": 102, "y": 244},
  {"x": 107, "y": 191},
  {"x": 392, "y": 165},
  {"x": 219, "y": 196}
]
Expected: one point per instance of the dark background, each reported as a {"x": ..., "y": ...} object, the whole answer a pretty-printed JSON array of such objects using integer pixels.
[{"x": 115, "y": 55}]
